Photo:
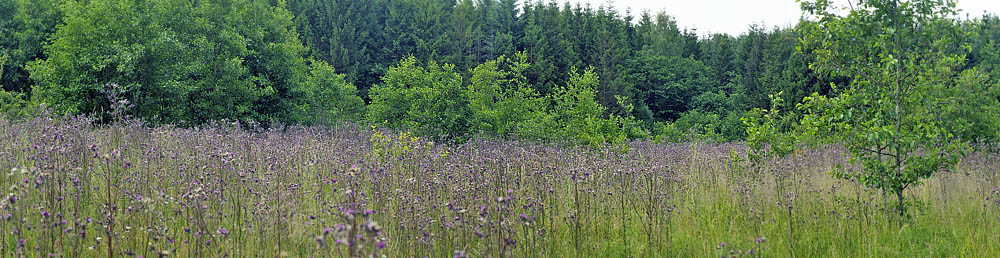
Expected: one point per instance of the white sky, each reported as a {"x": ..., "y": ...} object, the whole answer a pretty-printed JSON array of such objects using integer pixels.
[{"x": 734, "y": 16}]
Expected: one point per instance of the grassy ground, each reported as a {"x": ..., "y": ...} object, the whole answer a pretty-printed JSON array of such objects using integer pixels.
[{"x": 72, "y": 189}]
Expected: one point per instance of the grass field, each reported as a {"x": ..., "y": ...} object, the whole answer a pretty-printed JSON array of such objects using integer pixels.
[{"x": 72, "y": 189}]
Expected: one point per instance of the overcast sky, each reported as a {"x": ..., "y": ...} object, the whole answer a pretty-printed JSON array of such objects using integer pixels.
[{"x": 733, "y": 16}]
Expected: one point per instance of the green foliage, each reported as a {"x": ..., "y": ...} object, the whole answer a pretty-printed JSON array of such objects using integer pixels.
[
  {"x": 667, "y": 132},
  {"x": 973, "y": 110},
  {"x": 899, "y": 56},
  {"x": 13, "y": 105},
  {"x": 25, "y": 25},
  {"x": 364, "y": 38},
  {"x": 696, "y": 125},
  {"x": 386, "y": 147},
  {"x": 711, "y": 102},
  {"x": 984, "y": 38},
  {"x": 765, "y": 139},
  {"x": 186, "y": 63},
  {"x": 7, "y": 9},
  {"x": 691, "y": 126},
  {"x": 327, "y": 98},
  {"x": 731, "y": 127},
  {"x": 699, "y": 126},
  {"x": 496, "y": 101},
  {"x": 668, "y": 84},
  {"x": 500, "y": 98},
  {"x": 581, "y": 118},
  {"x": 430, "y": 100},
  {"x": 3, "y": 61},
  {"x": 180, "y": 61},
  {"x": 575, "y": 106}
]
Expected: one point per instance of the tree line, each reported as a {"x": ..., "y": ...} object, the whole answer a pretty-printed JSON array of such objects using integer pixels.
[{"x": 449, "y": 68}]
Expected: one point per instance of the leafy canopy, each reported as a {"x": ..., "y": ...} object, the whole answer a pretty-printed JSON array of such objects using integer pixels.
[
  {"x": 428, "y": 99},
  {"x": 900, "y": 56},
  {"x": 183, "y": 62},
  {"x": 327, "y": 97}
]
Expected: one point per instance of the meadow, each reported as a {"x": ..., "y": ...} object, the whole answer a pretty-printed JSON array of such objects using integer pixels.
[{"x": 75, "y": 189}]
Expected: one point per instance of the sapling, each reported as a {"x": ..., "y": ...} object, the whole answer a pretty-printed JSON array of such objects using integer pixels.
[
  {"x": 900, "y": 56},
  {"x": 768, "y": 142}
]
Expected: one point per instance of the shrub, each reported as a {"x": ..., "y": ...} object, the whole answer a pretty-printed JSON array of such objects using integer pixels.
[{"x": 327, "y": 98}]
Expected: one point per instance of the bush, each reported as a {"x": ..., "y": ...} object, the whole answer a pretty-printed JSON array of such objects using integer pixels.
[
  {"x": 428, "y": 99},
  {"x": 13, "y": 105},
  {"x": 581, "y": 118},
  {"x": 497, "y": 102},
  {"x": 700, "y": 126},
  {"x": 500, "y": 99},
  {"x": 327, "y": 98}
]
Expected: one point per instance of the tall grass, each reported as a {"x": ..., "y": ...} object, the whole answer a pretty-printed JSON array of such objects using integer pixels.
[{"x": 75, "y": 189}]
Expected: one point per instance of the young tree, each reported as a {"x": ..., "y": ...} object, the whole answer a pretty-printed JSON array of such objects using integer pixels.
[{"x": 899, "y": 54}]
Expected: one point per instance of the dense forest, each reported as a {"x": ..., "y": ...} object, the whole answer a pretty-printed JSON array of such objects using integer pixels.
[{"x": 450, "y": 69}]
